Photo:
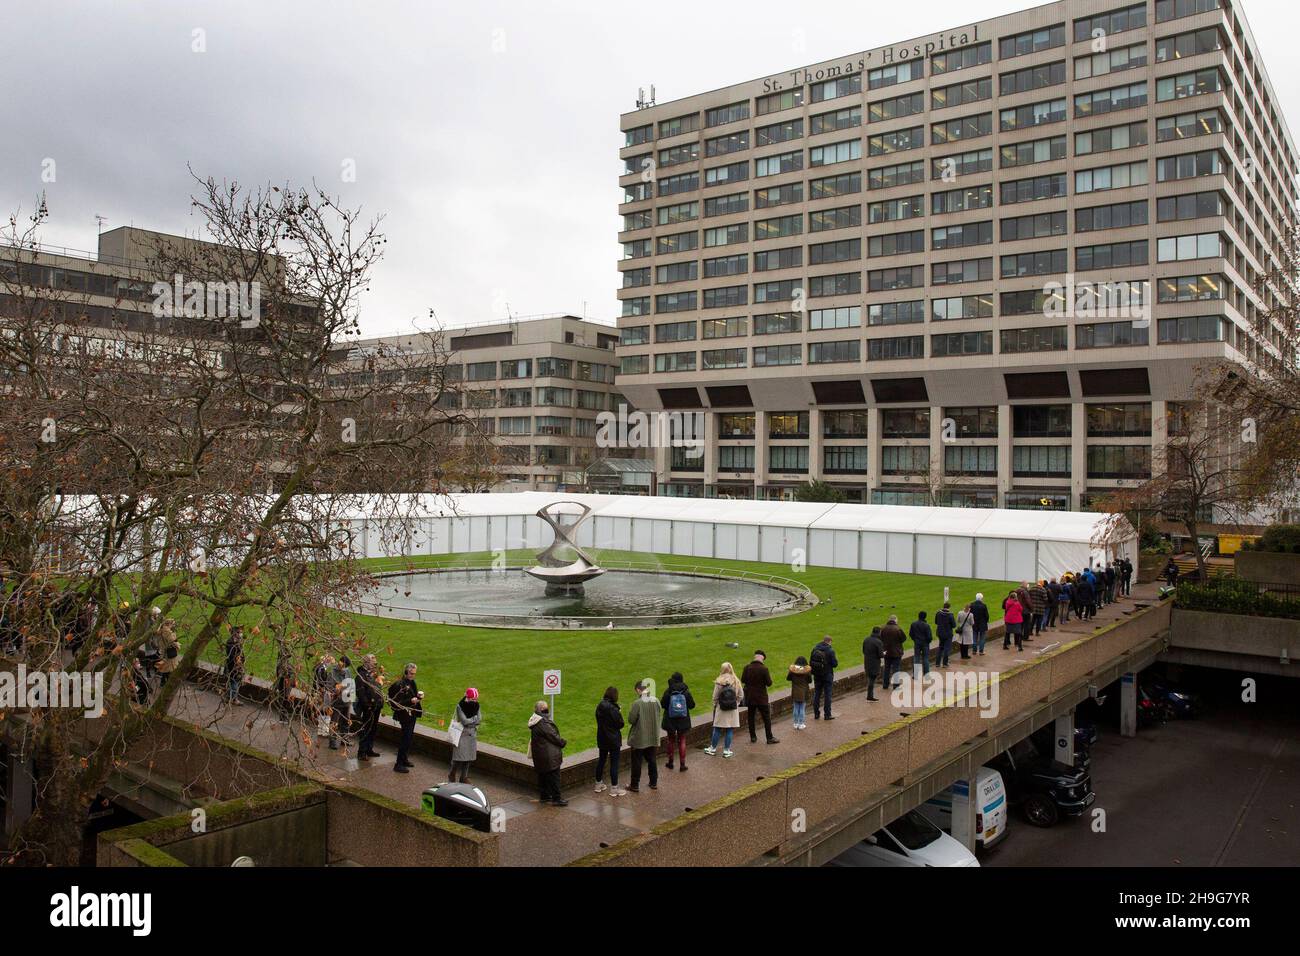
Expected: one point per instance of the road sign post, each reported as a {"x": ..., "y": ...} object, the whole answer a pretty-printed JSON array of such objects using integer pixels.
[{"x": 551, "y": 686}]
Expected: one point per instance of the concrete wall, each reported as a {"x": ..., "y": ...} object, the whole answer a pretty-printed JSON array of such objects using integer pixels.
[
  {"x": 1237, "y": 641},
  {"x": 1268, "y": 568}
]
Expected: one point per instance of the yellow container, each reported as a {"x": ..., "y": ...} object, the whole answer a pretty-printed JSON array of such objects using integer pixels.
[{"x": 1231, "y": 543}]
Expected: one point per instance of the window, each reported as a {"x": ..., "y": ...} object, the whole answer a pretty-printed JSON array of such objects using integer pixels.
[
  {"x": 979, "y": 461},
  {"x": 1189, "y": 166},
  {"x": 779, "y": 227},
  {"x": 726, "y": 114},
  {"x": 962, "y": 200},
  {"x": 1031, "y": 78},
  {"x": 846, "y": 283},
  {"x": 895, "y": 141},
  {"x": 895, "y": 108},
  {"x": 1110, "y": 138},
  {"x": 844, "y": 460},
  {"x": 778, "y": 195},
  {"x": 1111, "y": 100},
  {"x": 1040, "y": 421},
  {"x": 846, "y": 118},
  {"x": 1032, "y": 41},
  {"x": 1039, "y": 263},
  {"x": 896, "y": 347},
  {"x": 726, "y": 266},
  {"x": 674, "y": 155},
  {"x": 1176, "y": 9},
  {"x": 723, "y": 358},
  {"x": 1119, "y": 461},
  {"x": 769, "y": 355},
  {"x": 1040, "y": 226},
  {"x": 777, "y": 323},
  {"x": 726, "y": 235},
  {"x": 634, "y": 365},
  {"x": 780, "y": 163},
  {"x": 787, "y": 459},
  {"x": 900, "y": 174},
  {"x": 841, "y": 217},
  {"x": 1190, "y": 206},
  {"x": 902, "y": 277},
  {"x": 1045, "y": 339},
  {"x": 893, "y": 210},
  {"x": 1113, "y": 21},
  {"x": 727, "y": 205},
  {"x": 677, "y": 272},
  {"x": 675, "y": 362},
  {"x": 1033, "y": 189},
  {"x": 1205, "y": 245},
  {"x": 1111, "y": 255},
  {"x": 823, "y": 353},
  {"x": 962, "y": 164},
  {"x": 1033, "y": 114},
  {"x": 726, "y": 297},
  {"x": 961, "y": 270},
  {"x": 1204, "y": 328},
  {"x": 833, "y": 89},
  {"x": 553, "y": 425},
  {"x": 1104, "y": 335},
  {"x": 1119, "y": 420},
  {"x": 677, "y": 242},
  {"x": 560, "y": 397},
  {"x": 1119, "y": 216},
  {"x": 959, "y": 94},
  {"x": 637, "y": 249},
  {"x": 638, "y": 135},
  {"x": 905, "y": 422},
  {"x": 835, "y": 153},
  {"x": 957, "y": 237},
  {"x": 736, "y": 425},
  {"x": 961, "y": 343},
  {"x": 736, "y": 457},
  {"x": 974, "y": 421},
  {"x": 515, "y": 426},
  {"x": 844, "y": 424},
  {"x": 678, "y": 125},
  {"x": 787, "y": 425},
  {"x": 546, "y": 368},
  {"x": 724, "y": 328},
  {"x": 675, "y": 332},
  {"x": 895, "y": 73},
  {"x": 675, "y": 302},
  {"x": 1104, "y": 178},
  {"x": 905, "y": 459},
  {"x": 848, "y": 317},
  {"x": 681, "y": 212},
  {"x": 896, "y": 313},
  {"x": 480, "y": 371},
  {"x": 1188, "y": 44},
  {"x": 782, "y": 291},
  {"x": 634, "y": 335},
  {"x": 1187, "y": 125},
  {"x": 775, "y": 102},
  {"x": 830, "y": 186},
  {"x": 1190, "y": 288},
  {"x": 637, "y": 220},
  {"x": 1040, "y": 461},
  {"x": 961, "y": 307},
  {"x": 967, "y": 127},
  {"x": 898, "y": 243},
  {"x": 789, "y": 258},
  {"x": 721, "y": 145},
  {"x": 681, "y": 183},
  {"x": 961, "y": 59},
  {"x": 846, "y": 250},
  {"x": 722, "y": 175},
  {"x": 1114, "y": 60},
  {"x": 1184, "y": 85},
  {"x": 1032, "y": 151}
]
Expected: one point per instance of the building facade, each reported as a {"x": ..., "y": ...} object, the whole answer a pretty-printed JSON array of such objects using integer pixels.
[
  {"x": 977, "y": 268},
  {"x": 535, "y": 385}
]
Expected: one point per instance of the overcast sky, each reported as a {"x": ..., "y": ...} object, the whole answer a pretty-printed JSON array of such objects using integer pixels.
[{"x": 486, "y": 133}]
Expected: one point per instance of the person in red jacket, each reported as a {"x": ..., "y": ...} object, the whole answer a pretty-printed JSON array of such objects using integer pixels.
[{"x": 1013, "y": 618}]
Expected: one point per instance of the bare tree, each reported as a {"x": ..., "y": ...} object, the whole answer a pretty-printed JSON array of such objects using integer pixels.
[{"x": 164, "y": 457}]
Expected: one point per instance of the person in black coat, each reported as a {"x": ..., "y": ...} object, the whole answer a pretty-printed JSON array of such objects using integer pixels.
[
  {"x": 944, "y": 625},
  {"x": 678, "y": 725},
  {"x": 609, "y": 741},
  {"x": 873, "y": 653},
  {"x": 979, "y": 624},
  {"x": 406, "y": 700},
  {"x": 823, "y": 662},
  {"x": 1126, "y": 576},
  {"x": 919, "y": 632},
  {"x": 370, "y": 703}
]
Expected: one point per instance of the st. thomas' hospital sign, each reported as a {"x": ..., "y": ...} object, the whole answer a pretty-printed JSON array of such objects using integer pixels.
[{"x": 939, "y": 42}]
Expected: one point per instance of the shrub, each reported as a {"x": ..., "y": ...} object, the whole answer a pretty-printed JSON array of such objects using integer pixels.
[
  {"x": 1280, "y": 539},
  {"x": 1236, "y": 597}
]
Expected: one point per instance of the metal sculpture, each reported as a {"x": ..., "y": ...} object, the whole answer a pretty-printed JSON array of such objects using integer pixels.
[{"x": 564, "y": 578}]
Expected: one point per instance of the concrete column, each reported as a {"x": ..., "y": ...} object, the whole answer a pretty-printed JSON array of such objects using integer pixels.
[
  {"x": 1005, "y": 432},
  {"x": 18, "y": 799},
  {"x": 1159, "y": 436},
  {"x": 760, "y": 450},
  {"x": 1063, "y": 740},
  {"x": 873, "y": 450},
  {"x": 1078, "y": 452},
  {"x": 1128, "y": 705},
  {"x": 937, "y": 446},
  {"x": 815, "y": 444},
  {"x": 710, "y": 438}
]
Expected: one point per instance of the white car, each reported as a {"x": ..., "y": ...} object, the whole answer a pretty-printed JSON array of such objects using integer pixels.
[{"x": 911, "y": 840}]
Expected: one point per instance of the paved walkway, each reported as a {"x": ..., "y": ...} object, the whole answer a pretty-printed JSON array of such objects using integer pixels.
[{"x": 537, "y": 835}]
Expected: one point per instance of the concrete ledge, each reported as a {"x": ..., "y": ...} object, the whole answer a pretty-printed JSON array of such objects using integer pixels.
[{"x": 1236, "y": 634}]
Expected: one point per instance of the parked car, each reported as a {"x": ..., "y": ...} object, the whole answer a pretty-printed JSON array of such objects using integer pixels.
[
  {"x": 1172, "y": 702},
  {"x": 911, "y": 840},
  {"x": 1044, "y": 789},
  {"x": 949, "y": 810}
]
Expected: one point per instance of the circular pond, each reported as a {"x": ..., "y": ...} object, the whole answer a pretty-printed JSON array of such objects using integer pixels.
[{"x": 627, "y": 598}]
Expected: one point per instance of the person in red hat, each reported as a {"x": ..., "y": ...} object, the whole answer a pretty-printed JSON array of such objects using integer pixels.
[{"x": 464, "y": 734}]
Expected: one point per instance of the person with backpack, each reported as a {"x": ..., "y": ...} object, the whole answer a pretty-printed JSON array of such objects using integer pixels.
[
  {"x": 892, "y": 636},
  {"x": 406, "y": 700},
  {"x": 873, "y": 653},
  {"x": 609, "y": 741},
  {"x": 756, "y": 679},
  {"x": 726, "y": 709},
  {"x": 643, "y": 719},
  {"x": 944, "y": 627},
  {"x": 468, "y": 716},
  {"x": 799, "y": 675},
  {"x": 919, "y": 632},
  {"x": 823, "y": 662},
  {"x": 677, "y": 704},
  {"x": 1066, "y": 598}
]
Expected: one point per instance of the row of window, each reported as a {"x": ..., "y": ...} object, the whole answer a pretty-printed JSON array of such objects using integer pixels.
[{"x": 529, "y": 368}]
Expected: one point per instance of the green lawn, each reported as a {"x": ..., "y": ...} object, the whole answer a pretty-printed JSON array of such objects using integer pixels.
[{"x": 506, "y": 665}]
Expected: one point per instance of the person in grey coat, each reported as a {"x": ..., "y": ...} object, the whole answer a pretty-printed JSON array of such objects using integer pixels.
[{"x": 469, "y": 717}]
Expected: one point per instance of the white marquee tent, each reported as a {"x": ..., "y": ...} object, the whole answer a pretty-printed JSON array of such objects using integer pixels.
[{"x": 953, "y": 542}]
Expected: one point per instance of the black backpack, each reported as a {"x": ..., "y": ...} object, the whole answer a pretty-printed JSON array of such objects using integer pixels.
[
  {"x": 818, "y": 659},
  {"x": 727, "y": 698}
]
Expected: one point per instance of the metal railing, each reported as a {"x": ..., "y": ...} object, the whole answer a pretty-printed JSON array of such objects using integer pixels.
[{"x": 800, "y": 596}]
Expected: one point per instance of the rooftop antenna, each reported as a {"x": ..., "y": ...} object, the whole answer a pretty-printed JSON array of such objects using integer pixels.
[
  {"x": 99, "y": 221},
  {"x": 641, "y": 101}
]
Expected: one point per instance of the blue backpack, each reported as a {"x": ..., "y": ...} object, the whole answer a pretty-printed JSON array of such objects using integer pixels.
[{"x": 677, "y": 705}]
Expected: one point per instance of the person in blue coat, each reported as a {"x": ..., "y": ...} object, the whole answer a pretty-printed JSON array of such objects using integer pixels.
[{"x": 823, "y": 662}]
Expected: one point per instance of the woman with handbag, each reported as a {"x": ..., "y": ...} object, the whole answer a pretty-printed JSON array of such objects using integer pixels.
[{"x": 464, "y": 735}]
